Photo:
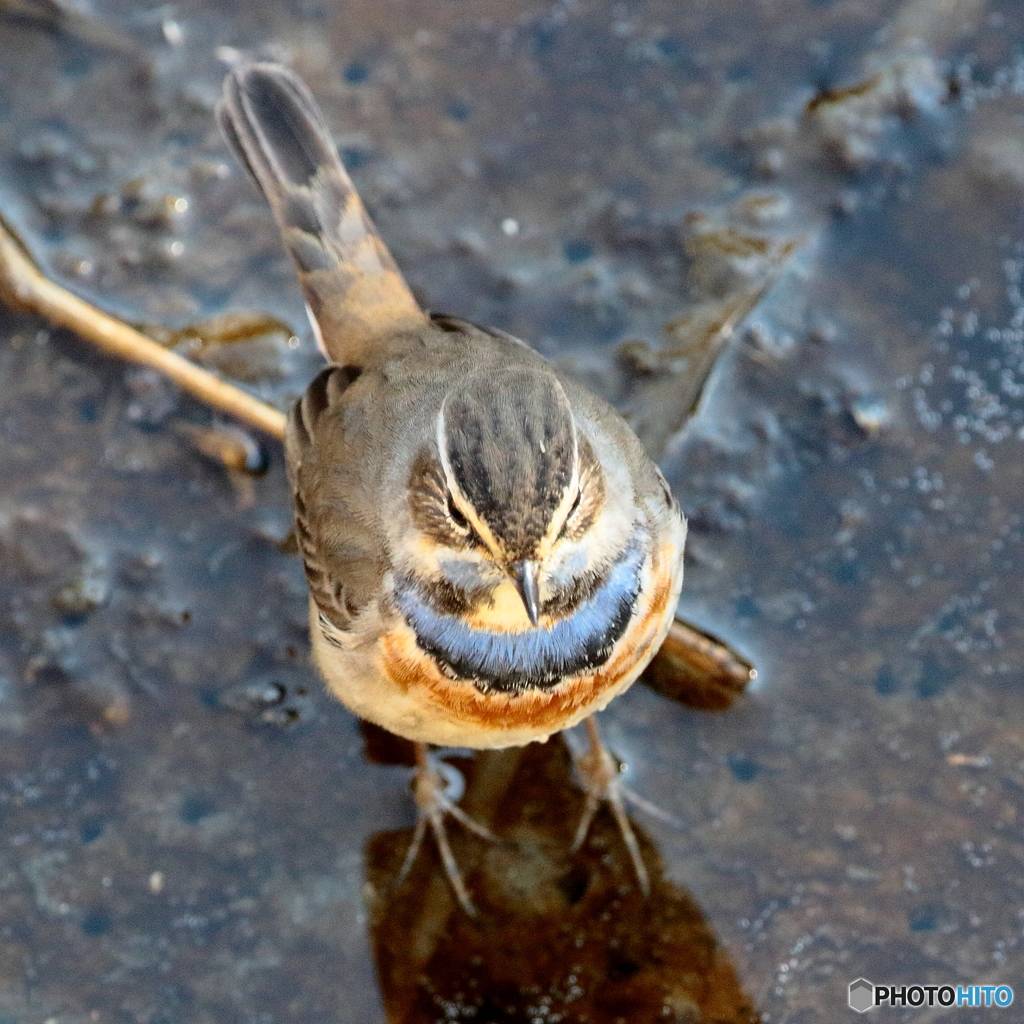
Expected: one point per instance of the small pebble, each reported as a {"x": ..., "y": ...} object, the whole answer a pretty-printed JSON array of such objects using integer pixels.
[{"x": 871, "y": 414}]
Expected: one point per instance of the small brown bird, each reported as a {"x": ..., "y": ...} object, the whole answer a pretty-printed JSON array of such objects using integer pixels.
[{"x": 491, "y": 555}]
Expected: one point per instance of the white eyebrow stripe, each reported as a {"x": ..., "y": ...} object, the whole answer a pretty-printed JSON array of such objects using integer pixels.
[{"x": 441, "y": 437}]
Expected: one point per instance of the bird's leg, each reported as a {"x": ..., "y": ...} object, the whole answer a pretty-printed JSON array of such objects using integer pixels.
[
  {"x": 600, "y": 773},
  {"x": 431, "y": 790}
]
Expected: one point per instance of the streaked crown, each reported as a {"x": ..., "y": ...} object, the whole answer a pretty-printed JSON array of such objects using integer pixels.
[{"x": 510, "y": 453}]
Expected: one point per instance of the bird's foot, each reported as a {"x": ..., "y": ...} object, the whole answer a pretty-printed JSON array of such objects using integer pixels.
[
  {"x": 600, "y": 773},
  {"x": 436, "y": 786}
]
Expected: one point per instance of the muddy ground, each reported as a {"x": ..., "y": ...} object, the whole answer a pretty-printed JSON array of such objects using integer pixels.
[{"x": 190, "y": 830}]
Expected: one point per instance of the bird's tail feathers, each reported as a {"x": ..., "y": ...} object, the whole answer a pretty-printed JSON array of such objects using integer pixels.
[{"x": 355, "y": 292}]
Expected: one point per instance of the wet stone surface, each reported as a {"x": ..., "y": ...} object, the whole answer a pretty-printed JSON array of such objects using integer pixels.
[{"x": 190, "y": 830}]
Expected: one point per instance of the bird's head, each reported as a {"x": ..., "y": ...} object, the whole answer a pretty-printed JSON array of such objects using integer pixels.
[{"x": 505, "y": 497}]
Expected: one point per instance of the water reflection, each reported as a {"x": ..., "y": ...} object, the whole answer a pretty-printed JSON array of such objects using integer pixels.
[{"x": 560, "y": 936}]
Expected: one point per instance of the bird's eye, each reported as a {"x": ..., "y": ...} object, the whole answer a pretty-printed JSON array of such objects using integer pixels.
[
  {"x": 456, "y": 516},
  {"x": 568, "y": 516}
]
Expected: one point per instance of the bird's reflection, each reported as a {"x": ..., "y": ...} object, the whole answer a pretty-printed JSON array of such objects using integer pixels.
[{"x": 560, "y": 936}]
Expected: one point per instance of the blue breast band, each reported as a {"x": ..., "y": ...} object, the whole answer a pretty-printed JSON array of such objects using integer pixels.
[{"x": 535, "y": 658}]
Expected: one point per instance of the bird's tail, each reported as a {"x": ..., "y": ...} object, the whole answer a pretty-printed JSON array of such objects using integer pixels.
[{"x": 355, "y": 293}]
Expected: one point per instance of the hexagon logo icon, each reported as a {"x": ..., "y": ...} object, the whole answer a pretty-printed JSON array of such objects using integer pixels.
[{"x": 862, "y": 995}]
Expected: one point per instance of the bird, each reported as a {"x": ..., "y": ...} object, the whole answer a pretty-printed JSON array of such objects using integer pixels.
[{"x": 490, "y": 554}]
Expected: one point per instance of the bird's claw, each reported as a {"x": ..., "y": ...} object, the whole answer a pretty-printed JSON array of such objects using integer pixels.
[
  {"x": 432, "y": 788},
  {"x": 601, "y": 776}
]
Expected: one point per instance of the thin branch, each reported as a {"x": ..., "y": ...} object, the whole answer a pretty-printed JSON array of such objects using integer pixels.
[{"x": 23, "y": 286}]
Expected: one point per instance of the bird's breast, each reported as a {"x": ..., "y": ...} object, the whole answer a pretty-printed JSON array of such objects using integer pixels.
[
  {"x": 501, "y": 688},
  {"x": 496, "y": 649}
]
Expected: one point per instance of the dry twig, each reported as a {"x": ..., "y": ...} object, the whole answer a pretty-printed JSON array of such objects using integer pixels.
[{"x": 23, "y": 286}]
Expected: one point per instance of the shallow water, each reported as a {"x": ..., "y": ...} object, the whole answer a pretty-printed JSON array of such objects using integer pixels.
[{"x": 191, "y": 830}]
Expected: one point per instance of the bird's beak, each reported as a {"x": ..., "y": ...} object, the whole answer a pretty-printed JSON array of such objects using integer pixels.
[{"x": 525, "y": 575}]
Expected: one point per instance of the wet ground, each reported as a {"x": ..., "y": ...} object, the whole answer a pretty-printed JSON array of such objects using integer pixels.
[{"x": 190, "y": 830}]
